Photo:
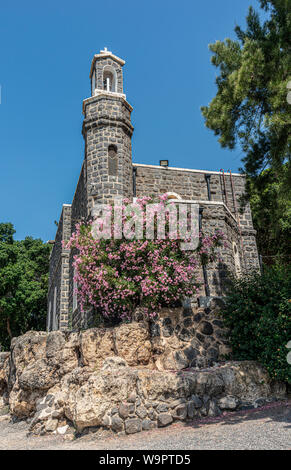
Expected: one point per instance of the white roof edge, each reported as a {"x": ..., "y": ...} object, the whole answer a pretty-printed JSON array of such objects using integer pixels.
[
  {"x": 210, "y": 203},
  {"x": 211, "y": 172}
]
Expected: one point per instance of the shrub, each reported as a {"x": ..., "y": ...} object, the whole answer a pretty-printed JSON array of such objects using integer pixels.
[
  {"x": 117, "y": 275},
  {"x": 258, "y": 314}
]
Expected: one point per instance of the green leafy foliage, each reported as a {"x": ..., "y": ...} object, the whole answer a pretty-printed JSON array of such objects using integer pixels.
[
  {"x": 270, "y": 201},
  {"x": 258, "y": 314},
  {"x": 250, "y": 108},
  {"x": 23, "y": 284}
]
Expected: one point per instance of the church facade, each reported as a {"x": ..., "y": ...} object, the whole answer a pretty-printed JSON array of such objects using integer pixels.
[{"x": 108, "y": 172}]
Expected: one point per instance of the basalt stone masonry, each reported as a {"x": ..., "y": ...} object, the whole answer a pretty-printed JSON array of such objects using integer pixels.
[{"x": 108, "y": 173}]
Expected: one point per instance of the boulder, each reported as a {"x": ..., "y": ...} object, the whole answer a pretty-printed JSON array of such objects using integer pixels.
[
  {"x": 132, "y": 342},
  {"x": 106, "y": 377},
  {"x": 164, "y": 419},
  {"x": 228, "y": 403},
  {"x": 133, "y": 425},
  {"x": 96, "y": 344},
  {"x": 87, "y": 405}
]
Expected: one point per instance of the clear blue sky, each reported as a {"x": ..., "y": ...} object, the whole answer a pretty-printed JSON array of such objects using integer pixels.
[{"x": 45, "y": 56}]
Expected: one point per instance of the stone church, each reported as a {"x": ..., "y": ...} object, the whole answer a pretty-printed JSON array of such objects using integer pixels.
[{"x": 108, "y": 172}]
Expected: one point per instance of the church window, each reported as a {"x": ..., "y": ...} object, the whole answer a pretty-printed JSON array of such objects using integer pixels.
[
  {"x": 236, "y": 259},
  {"x": 109, "y": 79},
  {"x": 112, "y": 160},
  {"x": 173, "y": 196}
]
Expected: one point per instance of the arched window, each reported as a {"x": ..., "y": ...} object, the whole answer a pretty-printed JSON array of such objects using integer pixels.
[
  {"x": 237, "y": 266},
  {"x": 112, "y": 160},
  {"x": 173, "y": 196},
  {"x": 109, "y": 79}
]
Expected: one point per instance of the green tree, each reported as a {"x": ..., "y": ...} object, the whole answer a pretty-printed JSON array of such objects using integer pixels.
[
  {"x": 258, "y": 316},
  {"x": 6, "y": 233},
  {"x": 23, "y": 284},
  {"x": 271, "y": 210},
  {"x": 250, "y": 109}
]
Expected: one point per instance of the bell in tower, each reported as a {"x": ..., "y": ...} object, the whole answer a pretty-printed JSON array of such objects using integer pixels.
[
  {"x": 106, "y": 73},
  {"x": 107, "y": 131}
]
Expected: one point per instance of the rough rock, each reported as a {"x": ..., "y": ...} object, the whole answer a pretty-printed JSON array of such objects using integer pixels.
[
  {"x": 132, "y": 342},
  {"x": 51, "y": 425},
  {"x": 164, "y": 419},
  {"x": 62, "y": 429},
  {"x": 4, "y": 373},
  {"x": 116, "y": 378},
  {"x": 141, "y": 412},
  {"x": 147, "y": 424},
  {"x": 125, "y": 409},
  {"x": 132, "y": 425},
  {"x": 96, "y": 344},
  {"x": 228, "y": 403},
  {"x": 114, "y": 362},
  {"x": 117, "y": 424}
]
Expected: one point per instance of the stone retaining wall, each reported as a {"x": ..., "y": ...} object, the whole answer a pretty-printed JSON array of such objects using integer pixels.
[{"x": 70, "y": 382}]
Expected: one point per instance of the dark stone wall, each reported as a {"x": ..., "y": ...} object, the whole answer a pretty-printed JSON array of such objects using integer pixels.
[
  {"x": 187, "y": 336},
  {"x": 59, "y": 273},
  {"x": 107, "y": 122},
  {"x": 192, "y": 185}
]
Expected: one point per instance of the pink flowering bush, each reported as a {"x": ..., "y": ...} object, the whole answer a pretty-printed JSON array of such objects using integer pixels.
[{"x": 117, "y": 275}]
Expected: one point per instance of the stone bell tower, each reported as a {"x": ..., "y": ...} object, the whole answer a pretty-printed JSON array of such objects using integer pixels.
[{"x": 107, "y": 131}]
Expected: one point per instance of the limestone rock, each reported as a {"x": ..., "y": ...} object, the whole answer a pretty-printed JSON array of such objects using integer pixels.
[
  {"x": 38, "y": 376},
  {"x": 174, "y": 360},
  {"x": 228, "y": 403},
  {"x": 4, "y": 373},
  {"x": 105, "y": 377},
  {"x": 51, "y": 425},
  {"x": 62, "y": 429},
  {"x": 62, "y": 351},
  {"x": 248, "y": 380},
  {"x": 132, "y": 342},
  {"x": 114, "y": 362},
  {"x": 96, "y": 344},
  {"x": 25, "y": 349},
  {"x": 86, "y": 406}
]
